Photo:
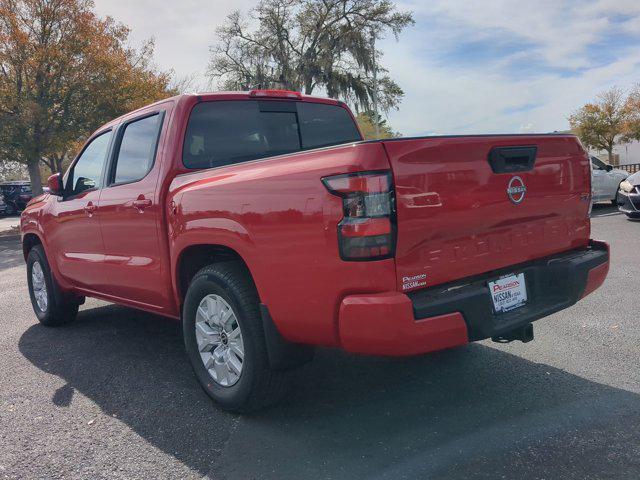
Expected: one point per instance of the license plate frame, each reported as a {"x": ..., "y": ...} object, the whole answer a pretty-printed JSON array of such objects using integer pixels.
[{"x": 508, "y": 292}]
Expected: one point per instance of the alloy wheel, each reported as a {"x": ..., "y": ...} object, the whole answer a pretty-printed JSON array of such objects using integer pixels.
[
  {"x": 219, "y": 340},
  {"x": 39, "y": 286}
]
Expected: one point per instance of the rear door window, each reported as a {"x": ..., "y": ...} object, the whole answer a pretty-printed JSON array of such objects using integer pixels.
[
  {"x": 137, "y": 149},
  {"x": 227, "y": 132}
]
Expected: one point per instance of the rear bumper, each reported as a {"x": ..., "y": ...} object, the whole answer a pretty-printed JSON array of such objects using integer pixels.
[{"x": 450, "y": 315}]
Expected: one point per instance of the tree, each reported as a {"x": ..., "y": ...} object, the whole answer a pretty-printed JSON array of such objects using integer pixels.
[
  {"x": 632, "y": 123},
  {"x": 367, "y": 123},
  {"x": 602, "y": 124},
  {"x": 306, "y": 45},
  {"x": 64, "y": 72}
]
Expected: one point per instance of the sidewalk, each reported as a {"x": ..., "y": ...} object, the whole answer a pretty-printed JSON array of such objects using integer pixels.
[{"x": 9, "y": 226}]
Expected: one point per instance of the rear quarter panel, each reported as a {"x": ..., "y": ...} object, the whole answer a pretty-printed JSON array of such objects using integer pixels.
[{"x": 279, "y": 217}]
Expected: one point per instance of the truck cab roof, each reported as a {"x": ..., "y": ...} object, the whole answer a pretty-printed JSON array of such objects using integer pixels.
[{"x": 231, "y": 95}]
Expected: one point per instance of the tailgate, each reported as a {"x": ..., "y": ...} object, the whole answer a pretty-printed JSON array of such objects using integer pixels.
[{"x": 470, "y": 205}]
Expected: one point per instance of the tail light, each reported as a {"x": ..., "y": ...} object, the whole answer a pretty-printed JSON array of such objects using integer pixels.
[{"x": 368, "y": 229}]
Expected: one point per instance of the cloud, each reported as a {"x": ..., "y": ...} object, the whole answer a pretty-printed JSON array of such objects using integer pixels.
[
  {"x": 183, "y": 30},
  {"x": 558, "y": 31},
  {"x": 502, "y": 65},
  {"x": 478, "y": 100},
  {"x": 466, "y": 67}
]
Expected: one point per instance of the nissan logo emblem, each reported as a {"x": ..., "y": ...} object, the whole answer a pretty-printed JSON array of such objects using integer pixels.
[{"x": 516, "y": 190}]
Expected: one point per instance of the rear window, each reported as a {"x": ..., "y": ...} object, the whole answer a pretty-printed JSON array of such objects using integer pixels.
[{"x": 226, "y": 132}]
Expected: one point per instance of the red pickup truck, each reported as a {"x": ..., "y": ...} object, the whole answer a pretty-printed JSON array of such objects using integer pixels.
[{"x": 266, "y": 224}]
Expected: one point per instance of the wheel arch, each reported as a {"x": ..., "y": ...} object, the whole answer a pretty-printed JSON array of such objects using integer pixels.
[
  {"x": 33, "y": 237},
  {"x": 282, "y": 354},
  {"x": 30, "y": 240},
  {"x": 194, "y": 257}
]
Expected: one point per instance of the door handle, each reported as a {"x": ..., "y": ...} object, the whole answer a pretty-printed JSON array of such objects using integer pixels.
[
  {"x": 90, "y": 208},
  {"x": 142, "y": 203}
]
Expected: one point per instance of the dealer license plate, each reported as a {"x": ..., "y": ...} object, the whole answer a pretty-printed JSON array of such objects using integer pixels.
[{"x": 508, "y": 292}]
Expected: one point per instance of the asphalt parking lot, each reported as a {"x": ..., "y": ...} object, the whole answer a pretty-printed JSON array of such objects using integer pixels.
[{"x": 112, "y": 396}]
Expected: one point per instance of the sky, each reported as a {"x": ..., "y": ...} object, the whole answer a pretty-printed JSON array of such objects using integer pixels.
[{"x": 489, "y": 66}]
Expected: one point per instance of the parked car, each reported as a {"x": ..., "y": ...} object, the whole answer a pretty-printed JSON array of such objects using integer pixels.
[
  {"x": 629, "y": 196},
  {"x": 605, "y": 180},
  {"x": 3, "y": 205},
  {"x": 16, "y": 195},
  {"x": 266, "y": 224}
]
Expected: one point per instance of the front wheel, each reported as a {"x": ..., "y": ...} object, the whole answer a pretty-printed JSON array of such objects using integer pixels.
[
  {"x": 224, "y": 339},
  {"x": 51, "y": 306}
]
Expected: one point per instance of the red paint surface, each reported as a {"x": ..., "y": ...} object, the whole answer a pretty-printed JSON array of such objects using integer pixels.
[
  {"x": 454, "y": 216},
  {"x": 596, "y": 276},
  {"x": 452, "y": 221},
  {"x": 383, "y": 324}
]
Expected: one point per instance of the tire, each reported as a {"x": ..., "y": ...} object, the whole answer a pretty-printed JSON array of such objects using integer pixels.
[
  {"x": 614, "y": 200},
  {"x": 225, "y": 287},
  {"x": 11, "y": 210},
  {"x": 50, "y": 305}
]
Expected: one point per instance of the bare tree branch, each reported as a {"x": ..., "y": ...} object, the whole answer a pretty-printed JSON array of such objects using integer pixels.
[{"x": 309, "y": 44}]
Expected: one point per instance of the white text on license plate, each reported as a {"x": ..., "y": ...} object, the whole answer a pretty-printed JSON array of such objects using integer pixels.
[{"x": 508, "y": 292}]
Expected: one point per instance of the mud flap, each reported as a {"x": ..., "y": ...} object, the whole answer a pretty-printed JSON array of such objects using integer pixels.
[{"x": 283, "y": 355}]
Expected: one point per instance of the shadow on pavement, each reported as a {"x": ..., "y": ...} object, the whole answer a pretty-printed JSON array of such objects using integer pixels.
[
  {"x": 604, "y": 210},
  {"x": 471, "y": 412}
]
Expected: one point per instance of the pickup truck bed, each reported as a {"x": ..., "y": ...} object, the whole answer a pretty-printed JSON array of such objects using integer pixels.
[{"x": 267, "y": 225}]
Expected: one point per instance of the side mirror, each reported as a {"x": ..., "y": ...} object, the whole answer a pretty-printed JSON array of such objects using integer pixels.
[
  {"x": 83, "y": 184},
  {"x": 54, "y": 182},
  {"x": 609, "y": 168}
]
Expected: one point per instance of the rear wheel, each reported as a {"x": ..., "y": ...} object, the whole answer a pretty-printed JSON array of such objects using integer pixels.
[
  {"x": 224, "y": 339},
  {"x": 50, "y": 305}
]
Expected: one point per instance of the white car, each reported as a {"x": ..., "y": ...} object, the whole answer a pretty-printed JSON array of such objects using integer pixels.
[{"x": 605, "y": 181}]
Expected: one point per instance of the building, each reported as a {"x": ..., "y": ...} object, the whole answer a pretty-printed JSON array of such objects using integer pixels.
[
  {"x": 623, "y": 154},
  {"x": 629, "y": 153}
]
